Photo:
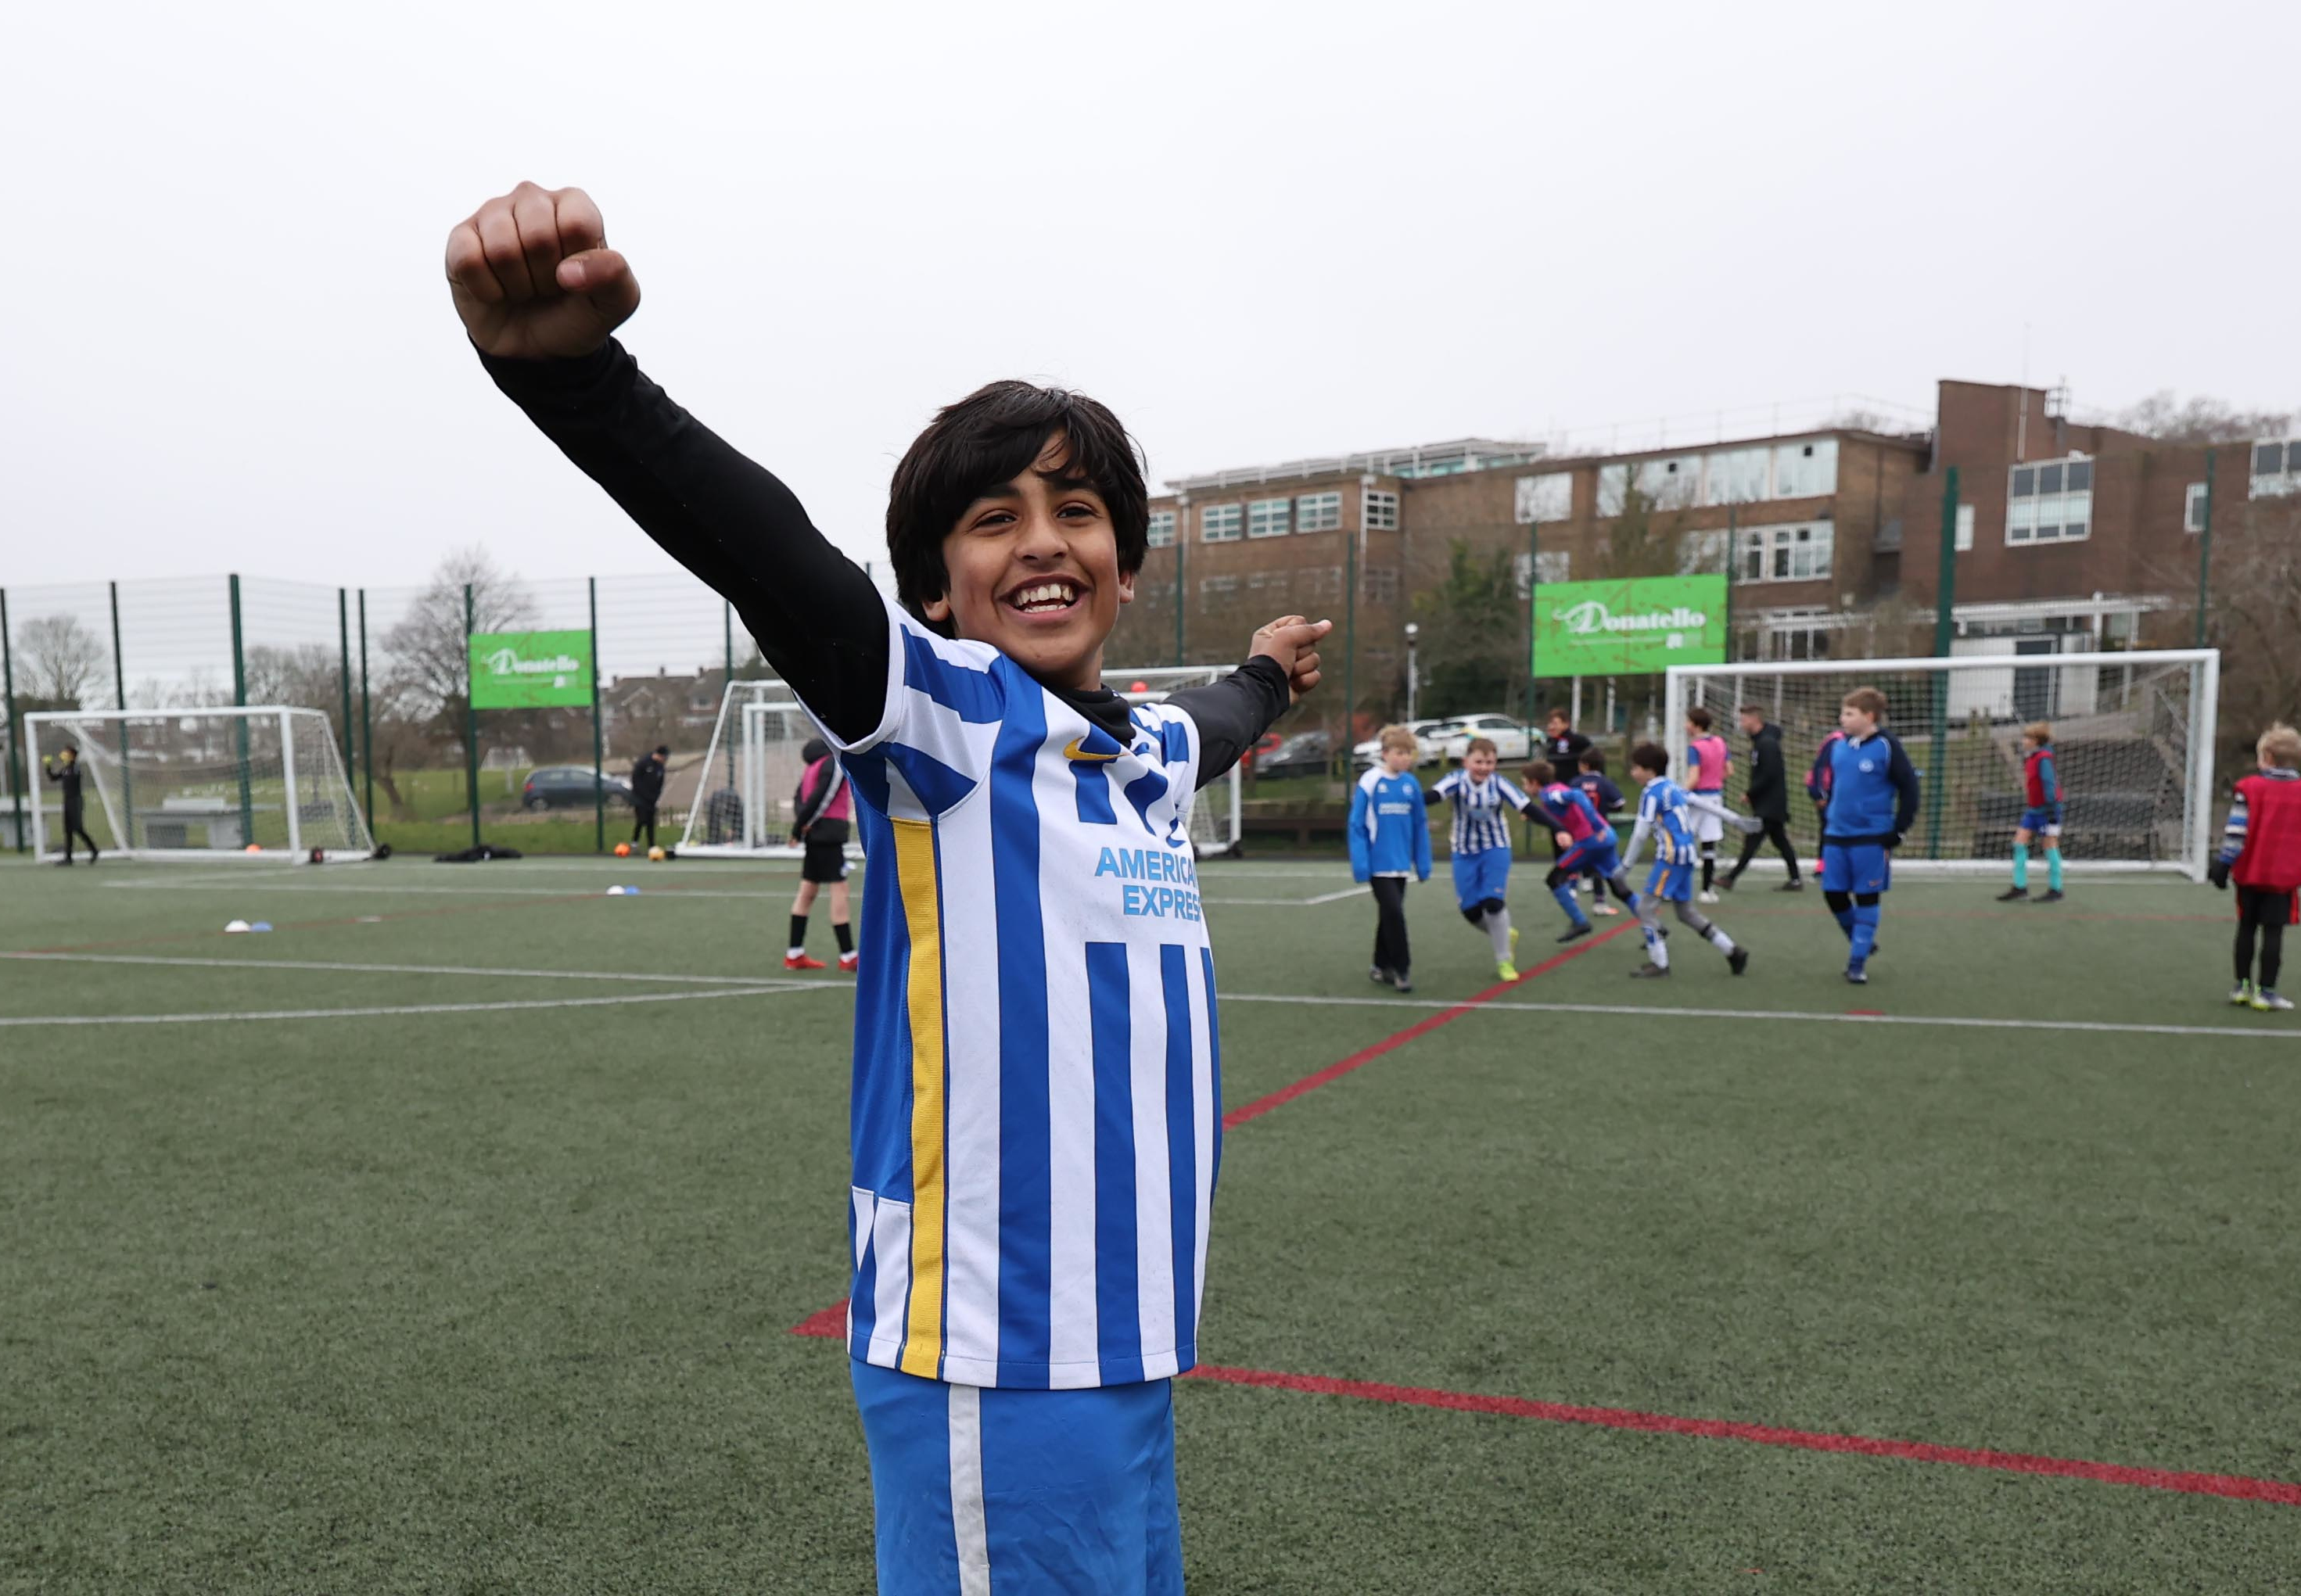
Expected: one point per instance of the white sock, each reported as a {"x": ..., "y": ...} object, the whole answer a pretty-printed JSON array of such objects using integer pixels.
[
  {"x": 794, "y": 953},
  {"x": 1719, "y": 939},
  {"x": 1498, "y": 929}
]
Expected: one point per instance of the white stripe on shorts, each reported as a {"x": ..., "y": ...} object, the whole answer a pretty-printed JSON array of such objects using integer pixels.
[{"x": 967, "y": 1490}]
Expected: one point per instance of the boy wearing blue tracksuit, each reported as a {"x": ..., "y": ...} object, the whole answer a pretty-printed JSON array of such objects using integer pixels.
[
  {"x": 1390, "y": 841},
  {"x": 1871, "y": 803}
]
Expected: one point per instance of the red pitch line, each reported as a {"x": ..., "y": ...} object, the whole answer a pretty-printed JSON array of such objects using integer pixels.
[
  {"x": 2240, "y": 1486},
  {"x": 1367, "y": 1054}
]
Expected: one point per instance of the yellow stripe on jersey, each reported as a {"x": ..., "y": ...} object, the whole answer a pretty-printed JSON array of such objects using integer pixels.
[{"x": 915, "y": 869}]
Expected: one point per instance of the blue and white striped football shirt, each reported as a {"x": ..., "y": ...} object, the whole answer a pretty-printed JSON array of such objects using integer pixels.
[
  {"x": 1663, "y": 815},
  {"x": 1037, "y": 1096},
  {"x": 1482, "y": 809}
]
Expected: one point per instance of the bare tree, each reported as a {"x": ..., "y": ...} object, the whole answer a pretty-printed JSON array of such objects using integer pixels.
[
  {"x": 2255, "y": 620},
  {"x": 2165, "y": 416},
  {"x": 430, "y": 661},
  {"x": 63, "y": 662}
]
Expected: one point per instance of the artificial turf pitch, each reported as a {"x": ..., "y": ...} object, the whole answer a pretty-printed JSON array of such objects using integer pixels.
[{"x": 501, "y": 1298}]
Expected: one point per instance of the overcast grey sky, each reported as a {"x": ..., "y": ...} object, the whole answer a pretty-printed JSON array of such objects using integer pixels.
[{"x": 1258, "y": 232}]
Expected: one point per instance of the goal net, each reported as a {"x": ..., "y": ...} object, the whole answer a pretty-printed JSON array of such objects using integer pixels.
[
  {"x": 2133, "y": 744},
  {"x": 262, "y": 783},
  {"x": 743, "y": 801}
]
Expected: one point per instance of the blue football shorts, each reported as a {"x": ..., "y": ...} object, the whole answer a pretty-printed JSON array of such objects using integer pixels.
[
  {"x": 1481, "y": 876},
  {"x": 979, "y": 1491},
  {"x": 1856, "y": 867},
  {"x": 1672, "y": 884},
  {"x": 2042, "y": 823},
  {"x": 1598, "y": 855}
]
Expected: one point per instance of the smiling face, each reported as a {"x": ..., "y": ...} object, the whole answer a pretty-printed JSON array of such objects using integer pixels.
[
  {"x": 1033, "y": 570},
  {"x": 1479, "y": 762}
]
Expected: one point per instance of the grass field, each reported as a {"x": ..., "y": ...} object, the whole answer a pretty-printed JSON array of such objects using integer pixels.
[{"x": 452, "y": 1238}]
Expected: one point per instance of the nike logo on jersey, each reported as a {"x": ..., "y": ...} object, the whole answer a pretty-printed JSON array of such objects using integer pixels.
[{"x": 1072, "y": 751}]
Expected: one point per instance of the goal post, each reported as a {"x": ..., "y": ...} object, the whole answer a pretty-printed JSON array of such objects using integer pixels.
[
  {"x": 263, "y": 783},
  {"x": 742, "y": 803},
  {"x": 2133, "y": 742}
]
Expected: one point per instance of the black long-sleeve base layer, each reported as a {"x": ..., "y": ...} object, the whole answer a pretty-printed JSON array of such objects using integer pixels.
[{"x": 817, "y": 617}]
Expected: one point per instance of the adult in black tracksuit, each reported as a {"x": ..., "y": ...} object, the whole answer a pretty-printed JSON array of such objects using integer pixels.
[
  {"x": 647, "y": 790},
  {"x": 66, "y": 770},
  {"x": 1768, "y": 800}
]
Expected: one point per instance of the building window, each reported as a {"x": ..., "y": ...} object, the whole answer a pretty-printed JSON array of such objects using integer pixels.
[
  {"x": 1797, "y": 553},
  {"x": 1218, "y": 587},
  {"x": 1735, "y": 476},
  {"x": 1378, "y": 511},
  {"x": 1379, "y": 584},
  {"x": 1268, "y": 517},
  {"x": 1318, "y": 584},
  {"x": 1318, "y": 513},
  {"x": 1219, "y": 524},
  {"x": 1806, "y": 470},
  {"x": 2050, "y": 503},
  {"x": 1671, "y": 484},
  {"x": 1549, "y": 497},
  {"x": 2276, "y": 468},
  {"x": 1278, "y": 583},
  {"x": 1702, "y": 553},
  {"x": 1161, "y": 534},
  {"x": 2193, "y": 509},
  {"x": 1964, "y": 528}
]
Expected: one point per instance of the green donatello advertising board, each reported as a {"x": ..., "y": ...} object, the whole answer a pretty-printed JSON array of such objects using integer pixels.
[
  {"x": 531, "y": 670},
  {"x": 1629, "y": 627}
]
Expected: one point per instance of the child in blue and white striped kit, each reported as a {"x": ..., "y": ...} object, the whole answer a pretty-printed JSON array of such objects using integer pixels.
[{"x": 1484, "y": 801}]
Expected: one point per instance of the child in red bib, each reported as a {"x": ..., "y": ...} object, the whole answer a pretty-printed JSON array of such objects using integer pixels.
[{"x": 2260, "y": 853}]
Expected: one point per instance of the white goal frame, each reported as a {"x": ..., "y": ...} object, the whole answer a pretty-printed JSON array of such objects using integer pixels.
[
  {"x": 295, "y": 783},
  {"x": 1217, "y": 816},
  {"x": 1687, "y": 686}
]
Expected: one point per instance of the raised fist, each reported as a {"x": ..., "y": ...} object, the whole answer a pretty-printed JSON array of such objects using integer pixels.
[{"x": 532, "y": 276}]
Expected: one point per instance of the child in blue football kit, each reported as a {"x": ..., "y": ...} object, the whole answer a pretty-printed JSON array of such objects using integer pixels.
[
  {"x": 1036, "y": 1109},
  {"x": 1484, "y": 801},
  {"x": 1607, "y": 799},
  {"x": 1390, "y": 844},
  {"x": 1665, "y": 813},
  {"x": 1870, "y": 796},
  {"x": 1586, "y": 843}
]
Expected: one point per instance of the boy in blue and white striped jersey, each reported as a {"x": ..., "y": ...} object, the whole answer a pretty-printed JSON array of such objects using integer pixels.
[
  {"x": 1035, "y": 1120},
  {"x": 1484, "y": 801}
]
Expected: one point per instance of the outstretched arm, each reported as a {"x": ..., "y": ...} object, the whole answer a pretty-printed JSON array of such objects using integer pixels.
[
  {"x": 540, "y": 294},
  {"x": 1232, "y": 713}
]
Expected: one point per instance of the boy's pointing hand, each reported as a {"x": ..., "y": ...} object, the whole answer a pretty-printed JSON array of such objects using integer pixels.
[{"x": 1294, "y": 642}]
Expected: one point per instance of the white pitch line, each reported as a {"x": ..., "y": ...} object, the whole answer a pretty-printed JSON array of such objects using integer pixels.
[
  {"x": 409, "y": 1008},
  {"x": 1637, "y": 1011},
  {"x": 333, "y": 967},
  {"x": 1288, "y": 903},
  {"x": 474, "y": 890}
]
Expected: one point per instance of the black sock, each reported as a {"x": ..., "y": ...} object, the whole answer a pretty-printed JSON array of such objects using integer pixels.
[
  {"x": 845, "y": 935},
  {"x": 1708, "y": 871},
  {"x": 798, "y": 931}
]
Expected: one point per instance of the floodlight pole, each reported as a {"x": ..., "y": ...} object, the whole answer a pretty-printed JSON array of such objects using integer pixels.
[
  {"x": 344, "y": 675},
  {"x": 367, "y": 720},
  {"x": 239, "y": 722},
  {"x": 471, "y": 723},
  {"x": 1944, "y": 637},
  {"x": 599, "y": 749},
  {"x": 2205, "y": 553},
  {"x": 120, "y": 703}
]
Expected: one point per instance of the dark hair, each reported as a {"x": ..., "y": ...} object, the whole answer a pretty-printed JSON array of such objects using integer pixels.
[
  {"x": 1558, "y": 712},
  {"x": 1541, "y": 772},
  {"x": 1698, "y": 717},
  {"x": 1751, "y": 709},
  {"x": 986, "y": 440},
  {"x": 1593, "y": 758},
  {"x": 663, "y": 748},
  {"x": 1652, "y": 757}
]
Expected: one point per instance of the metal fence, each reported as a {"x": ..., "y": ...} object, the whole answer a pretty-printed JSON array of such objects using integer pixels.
[{"x": 388, "y": 667}]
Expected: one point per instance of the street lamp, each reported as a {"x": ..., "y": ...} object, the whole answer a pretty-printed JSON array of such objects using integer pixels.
[{"x": 1412, "y": 630}]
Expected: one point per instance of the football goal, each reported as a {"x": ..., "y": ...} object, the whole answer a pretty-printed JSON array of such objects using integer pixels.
[
  {"x": 2133, "y": 741},
  {"x": 743, "y": 801},
  {"x": 207, "y": 784}
]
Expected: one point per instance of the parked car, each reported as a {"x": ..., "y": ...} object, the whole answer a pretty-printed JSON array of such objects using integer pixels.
[
  {"x": 569, "y": 787},
  {"x": 1363, "y": 757},
  {"x": 1263, "y": 744},
  {"x": 1304, "y": 753},
  {"x": 1512, "y": 742}
]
